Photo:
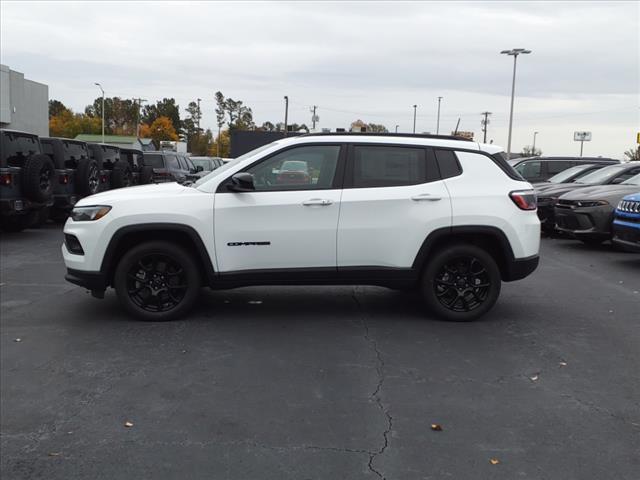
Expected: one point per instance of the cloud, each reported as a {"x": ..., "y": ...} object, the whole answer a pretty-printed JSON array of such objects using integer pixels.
[{"x": 352, "y": 59}]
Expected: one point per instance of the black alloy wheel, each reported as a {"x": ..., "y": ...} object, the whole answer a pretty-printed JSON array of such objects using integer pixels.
[
  {"x": 461, "y": 282},
  {"x": 157, "y": 281}
]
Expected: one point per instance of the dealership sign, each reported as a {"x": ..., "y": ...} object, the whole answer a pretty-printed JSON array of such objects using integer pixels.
[{"x": 582, "y": 136}]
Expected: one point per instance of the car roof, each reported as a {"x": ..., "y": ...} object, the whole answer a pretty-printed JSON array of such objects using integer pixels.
[
  {"x": 445, "y": 141},
  {"x": 591, "y": 160}
]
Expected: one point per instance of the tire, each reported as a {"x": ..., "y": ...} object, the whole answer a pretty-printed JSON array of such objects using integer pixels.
[
  {"x": 473, "y": 296},
  {"x": 121, "y": 175},
  {"x": 37, "y": 178},
  {"x": 155, "y": 266},
  {"x": 87, "y": 177},
  {"x": 146, "y": 175},
  {"x": 592, "y": 242},
  {"x": 17, "y": 223}
]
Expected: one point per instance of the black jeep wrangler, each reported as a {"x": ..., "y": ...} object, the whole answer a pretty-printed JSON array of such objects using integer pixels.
[
  {"x": 77, "y": 175},
  {"x": 114, "y": 173},
  {"x": 26, "y": 180},
  {"x": 140, "y": 174}
]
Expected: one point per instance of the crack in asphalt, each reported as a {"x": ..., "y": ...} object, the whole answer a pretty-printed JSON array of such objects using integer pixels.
[{"x": 375, "y": 395}]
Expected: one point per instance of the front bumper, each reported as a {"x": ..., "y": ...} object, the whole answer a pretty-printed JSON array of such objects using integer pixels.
[
  {"x": 546, "y": 214},
  {"x": 626, "y": 235},
  {"x": 583, "y": 222},
  {"x": 94, "y": 281}
]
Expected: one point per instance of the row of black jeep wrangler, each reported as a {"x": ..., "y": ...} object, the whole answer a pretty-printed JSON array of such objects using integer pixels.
[{"x": 42, "y": 178}]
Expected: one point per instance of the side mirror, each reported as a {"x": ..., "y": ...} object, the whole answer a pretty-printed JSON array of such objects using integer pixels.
[
  {"x": 242, "y": 182},
  {"x": 199, "y": 168}
]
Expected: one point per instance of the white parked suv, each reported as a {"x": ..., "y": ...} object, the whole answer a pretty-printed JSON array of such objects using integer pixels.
[{"x": 442, "y": 215}]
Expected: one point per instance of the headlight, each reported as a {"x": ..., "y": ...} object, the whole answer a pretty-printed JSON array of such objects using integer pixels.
[
  {"x": 86, "y": 214},
  {"x": 546, "y": 200},
  {"x": 591, "y": 203}
]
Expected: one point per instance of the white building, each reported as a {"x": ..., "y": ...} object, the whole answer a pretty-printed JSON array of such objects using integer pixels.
[{"x": 24, "y": 104}]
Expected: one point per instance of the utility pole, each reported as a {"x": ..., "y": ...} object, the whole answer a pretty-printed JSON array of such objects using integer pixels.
[
  {"x": 139, "y": 102},
  {"x": 534, "y": 143},
  {"x": 286, "y": 114},
  {"x": 313, "y": 117},
  {"x": 414, "y": 118},
  {"x": 100, "y": 87},
  {"x": 438, "y": 121},
  {"x": 514, "y": 52},
  {"x": 199, "y": 113},
  {"x": 484, "y": 124}
]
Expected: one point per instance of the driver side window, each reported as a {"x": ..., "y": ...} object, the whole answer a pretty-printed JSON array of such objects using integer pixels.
[{"x": 300, "y": 168}]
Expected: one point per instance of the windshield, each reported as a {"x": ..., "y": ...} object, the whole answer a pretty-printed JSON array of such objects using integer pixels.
[
  {"x": 232, "y": 163},
  {"x": 632, "y": 181},
  {"x": 565, "y": 175},
  {"x": 601, "y": 176},
  {"x": 294, "y": 166}
]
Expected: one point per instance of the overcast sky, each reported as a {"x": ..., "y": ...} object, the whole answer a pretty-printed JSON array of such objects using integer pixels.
[{"x": 358, "y": 60}]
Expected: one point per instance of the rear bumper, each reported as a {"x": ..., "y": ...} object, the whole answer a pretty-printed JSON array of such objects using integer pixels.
[
  {"x": 19, "y": 206},
  {"x": 520, "y": 268}
]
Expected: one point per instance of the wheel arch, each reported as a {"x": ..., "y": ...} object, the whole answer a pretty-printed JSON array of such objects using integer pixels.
[
  {"x": 491, "y": 239},
  {"x": 184, "y": 235}
]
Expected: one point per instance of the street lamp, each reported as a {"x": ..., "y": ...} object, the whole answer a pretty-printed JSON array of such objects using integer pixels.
[
  {"x": 414, "y": 118},
  {"x": 286, "y": 114},
  {"x": 534, "y": 142},
  {"x": 101, "y": 89},
  {"x": 397, "y": 128},
  {"x": 438, "y": 124},
  {"x": 514, "y": 52}
]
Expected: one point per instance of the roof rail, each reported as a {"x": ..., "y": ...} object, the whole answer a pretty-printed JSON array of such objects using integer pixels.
[{"x": 388, "y": 134}]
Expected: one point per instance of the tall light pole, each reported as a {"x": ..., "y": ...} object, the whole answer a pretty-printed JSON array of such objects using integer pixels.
[
  {"x": 397, "y": 128},
  {"x": 484, "y": 122},
  {"x": 414, "y": 118},
  {"x": 438, "y": 122},
  {"x": 534, "y": 142},
  {"x": 139, "y": 102},
  {"x": 100, "y": 86},
  {"x": 199, "y": 114},
  {"x": 514, "y": 52},
  {"x": 286, "y": 114}
]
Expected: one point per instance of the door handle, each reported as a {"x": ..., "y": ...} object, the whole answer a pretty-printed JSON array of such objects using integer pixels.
[
  {"x": 425, "y": 197},
  {"x": 317, "y": 201}
]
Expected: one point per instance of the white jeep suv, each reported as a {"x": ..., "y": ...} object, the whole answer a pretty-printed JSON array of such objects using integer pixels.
[{"x": 442, "y": 215}]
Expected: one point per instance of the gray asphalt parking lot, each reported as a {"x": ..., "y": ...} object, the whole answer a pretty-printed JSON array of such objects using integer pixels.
[{"x": 322, "y": 382}]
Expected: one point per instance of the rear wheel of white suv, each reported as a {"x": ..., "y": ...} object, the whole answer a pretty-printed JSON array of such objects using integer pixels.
[
  {"x": 461, "y": 283},
  {"x": 157, "y": 281}
]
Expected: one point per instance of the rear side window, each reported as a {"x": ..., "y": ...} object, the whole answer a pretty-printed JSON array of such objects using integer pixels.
[
  {"x": 448, "y": 163},
  {"x": 375, "y": 166},
  {"x": 530, "y": 170},
  {"x": 172, "y": 162},
  {"x": 153, "y": 160}
]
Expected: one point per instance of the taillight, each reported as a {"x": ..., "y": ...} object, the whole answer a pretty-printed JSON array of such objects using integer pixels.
[
  {"x": 524, "y": 199},
  {"x": 64, "y": 179},
  {"x": 5, "y": 179}
]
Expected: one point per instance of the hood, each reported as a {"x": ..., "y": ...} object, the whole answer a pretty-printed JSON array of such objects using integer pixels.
[
  {"x": 156, "y": 190},
  {"x": 561, "y": 188},
  {"x": 633, "y": 197},
  {"x": 611, "y": 193}
]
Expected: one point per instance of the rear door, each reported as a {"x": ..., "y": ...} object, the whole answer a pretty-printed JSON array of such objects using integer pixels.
[{"x": 393, "y": 198}]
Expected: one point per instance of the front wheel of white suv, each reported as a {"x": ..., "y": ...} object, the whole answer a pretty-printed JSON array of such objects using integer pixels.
[
  {"x": 461, "y": 283},
  {"x": 157, "y": 281}
]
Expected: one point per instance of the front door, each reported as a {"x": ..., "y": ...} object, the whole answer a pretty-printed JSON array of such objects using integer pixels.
[{"x": 290, "y": 220}]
